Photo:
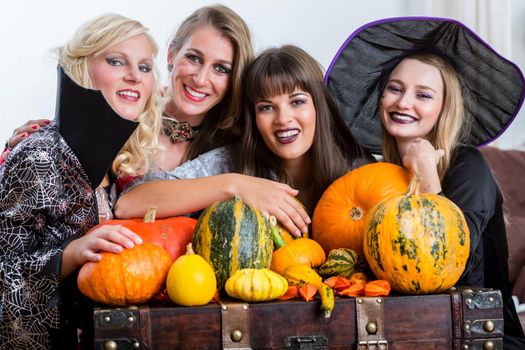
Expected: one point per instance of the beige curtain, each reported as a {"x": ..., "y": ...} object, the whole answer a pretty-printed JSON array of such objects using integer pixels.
[{"x": 490, "y": 19}]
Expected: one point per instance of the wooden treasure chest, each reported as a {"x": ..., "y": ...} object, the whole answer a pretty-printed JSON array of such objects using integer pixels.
[{"x": 462, "y": 319}]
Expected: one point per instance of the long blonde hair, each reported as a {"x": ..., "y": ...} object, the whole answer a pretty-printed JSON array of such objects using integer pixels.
[
  {"x": 91, "y": 40},
  {"x": 451, "y": 123}
]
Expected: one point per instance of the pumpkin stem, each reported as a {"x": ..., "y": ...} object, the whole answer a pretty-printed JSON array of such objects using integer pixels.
[
  {"x": 413, "y": 186},
  {"x": 150, "y": 214},
  {"x": 356, "y": 213},
  {"x": 277, "y": 239},
  {"x": 189, "y": 249}
]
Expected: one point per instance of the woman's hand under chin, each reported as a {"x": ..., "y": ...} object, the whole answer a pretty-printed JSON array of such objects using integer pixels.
[{"x": 422, "y": 158}]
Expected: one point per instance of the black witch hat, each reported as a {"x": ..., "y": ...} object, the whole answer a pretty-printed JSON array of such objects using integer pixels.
[{"x": 494, "y": 85}]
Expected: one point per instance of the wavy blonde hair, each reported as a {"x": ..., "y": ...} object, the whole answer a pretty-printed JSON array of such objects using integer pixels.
[
  {"x": 91, "y": 40},
  {"x": 451, "y": 123}
]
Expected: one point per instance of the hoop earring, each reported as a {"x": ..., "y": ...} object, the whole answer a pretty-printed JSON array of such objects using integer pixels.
[{"x": 170, "y": 67}]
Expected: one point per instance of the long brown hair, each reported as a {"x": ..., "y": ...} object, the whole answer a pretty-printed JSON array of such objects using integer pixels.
[
  {"x": 220, "y": 122},
  {"x": 334, "y": 150},
  {"x": 452, "y": 121}
]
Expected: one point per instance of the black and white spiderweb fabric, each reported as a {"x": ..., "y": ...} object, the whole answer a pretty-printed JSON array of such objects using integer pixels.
[{"x": 45, "y": 200}]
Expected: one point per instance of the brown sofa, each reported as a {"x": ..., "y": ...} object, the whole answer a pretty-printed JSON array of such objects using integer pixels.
[{"x": 509, "y": 168}]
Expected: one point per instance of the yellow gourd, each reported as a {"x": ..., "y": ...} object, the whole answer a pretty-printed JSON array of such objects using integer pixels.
[
  {"x": 191, "y": 280},
  {"x": 301, "y": 274},
  {"x": 256, "y": 285}
]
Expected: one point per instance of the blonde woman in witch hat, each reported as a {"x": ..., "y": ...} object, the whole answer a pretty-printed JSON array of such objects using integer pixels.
[{"x": 425, "y": 92}]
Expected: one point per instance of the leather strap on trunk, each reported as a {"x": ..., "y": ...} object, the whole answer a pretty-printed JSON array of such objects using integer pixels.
[
  {"x": 370, "y": 324},
  {"x": 235, "y": 321},
  {"x": 145, "y": 329}
]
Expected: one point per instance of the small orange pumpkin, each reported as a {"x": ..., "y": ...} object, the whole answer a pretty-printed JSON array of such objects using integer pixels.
[
  {"x": 339, "y": 215},
  {"x": 130, "y": 277},
  {"x": 296, "y": 251}
]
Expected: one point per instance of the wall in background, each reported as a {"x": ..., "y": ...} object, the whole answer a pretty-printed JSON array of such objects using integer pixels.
[{"x": 30, "y": 30}]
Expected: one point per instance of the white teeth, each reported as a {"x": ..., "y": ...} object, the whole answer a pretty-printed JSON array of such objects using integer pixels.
[
  {"x": 193, "y": 92},
  {"x": 285, "y": 134},
  {"x": 128, "y": 93},
  {"x": 402, "y": 117}
]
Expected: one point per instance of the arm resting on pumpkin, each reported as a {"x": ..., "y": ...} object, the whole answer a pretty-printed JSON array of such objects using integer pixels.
[
  {"x": 174, "y": 197},
  {"x": 183, "y": 196}
]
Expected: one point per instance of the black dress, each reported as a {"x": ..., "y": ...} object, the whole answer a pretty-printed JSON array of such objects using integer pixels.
[
  {"x": 470, "y": 184},
  {"x": 46, "y": 200}
]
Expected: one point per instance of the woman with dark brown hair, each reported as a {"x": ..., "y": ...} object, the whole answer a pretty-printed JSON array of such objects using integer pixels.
[{"x": 293, "y": 132}]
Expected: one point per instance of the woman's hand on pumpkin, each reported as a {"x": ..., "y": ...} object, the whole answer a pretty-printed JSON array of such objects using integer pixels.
[
  {"x": 109, "y": 238},
  {"x": 105, "y": 238},
  {"x": 274, "y": 198},
  {"x": 422, "y": 158}
]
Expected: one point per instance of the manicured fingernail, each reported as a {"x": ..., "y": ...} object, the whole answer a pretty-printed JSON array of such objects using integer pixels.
[
  {"x": 118, "y": 249},
  {"x": 23, "y": 135},
  {"x": 129, "y": 245},
  {"x": 297, "y": 233},
  {"x": 34, "y": 127},
  {"x": 308, "y": 221},
  {"x": 139, "y": 241},
  {"x": 98, "y": 257},
  {"x": 305, "y": 229},
  {"x": 47, "y": 122}
]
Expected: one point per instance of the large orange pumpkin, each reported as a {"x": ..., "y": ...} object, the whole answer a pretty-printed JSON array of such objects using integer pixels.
[
  {"x": 130, "y": 277},
  {"x": 419, "y": 243},
  {"x": 172, "y": 234},
  {"x": 339, "y": 216}
]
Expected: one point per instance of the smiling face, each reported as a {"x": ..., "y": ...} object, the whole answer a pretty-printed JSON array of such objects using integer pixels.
[
  {"x": 124, "y": 75},
  {"x": 201, "y": 74},
  {"x": 412, "y": 100},
  {"x": 287, "y": 124}
]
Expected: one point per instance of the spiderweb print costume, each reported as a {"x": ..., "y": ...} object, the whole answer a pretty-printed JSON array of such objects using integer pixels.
[{"x": 45, "y": 201}]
